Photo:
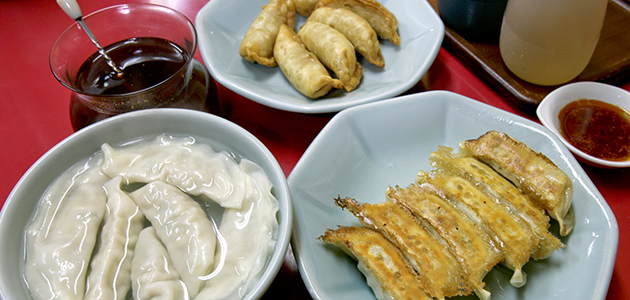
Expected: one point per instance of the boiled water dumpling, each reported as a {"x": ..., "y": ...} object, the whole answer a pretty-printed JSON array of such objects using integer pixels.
[
  {"x": 153, "y": 276},
  {"x": 195, "y": 168},
  {"x": 110, "y": 268},
  {"x": 183, "y": 227},
  {"x": 61, "y": 238},
  {"x": 257, "y": 45},
  {"x": 248, "y": 239}
]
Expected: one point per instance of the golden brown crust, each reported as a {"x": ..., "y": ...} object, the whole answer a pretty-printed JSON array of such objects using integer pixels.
[
  {"x": 380, "y": 18},
  {"x": 334, "y": 50},
  {"x": 257, "y": 45},
  {"x": 503, "y": 191},
  {"x": 472, "y": 245},
  {"x": 305, "y": 7},
  {"x": 440, "y": 273},
  {"x": 301, "y": 67},
  {"x": 514, "y": 239},
  {"x": 532, "y": 172},
  {"x": 355, "y": 28},
  {"x": 387, "y": 268}
]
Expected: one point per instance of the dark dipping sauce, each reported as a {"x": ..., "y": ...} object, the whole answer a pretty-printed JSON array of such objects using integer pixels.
[
  {"x": 597, "y": 128},
  {"x": 145, "y": 62}
]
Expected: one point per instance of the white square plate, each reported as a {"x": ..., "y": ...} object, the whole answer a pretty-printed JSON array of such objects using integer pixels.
[
  {"x": 365, "y": 149},
  {"x": 222, "y": 24}
]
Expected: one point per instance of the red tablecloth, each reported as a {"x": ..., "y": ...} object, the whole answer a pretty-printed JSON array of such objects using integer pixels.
[{"x": 34, "y": 116}]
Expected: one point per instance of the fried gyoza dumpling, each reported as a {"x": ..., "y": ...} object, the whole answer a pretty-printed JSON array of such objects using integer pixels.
[
  {"x": 441, "y": 274},
  {"x": 301, "y": 67},
  {"x": 305, "y": 7},
  {"x": 382, "y": 20},
  {"x": 532, "y": 172},
  {"x": 513, "y": 237},
  {"x": 334, "y": 50},
  {"x": 472, "y": 245},
  {"x": 257, "y": 45},
  {"x": 502, "y": 190},
  {"x": 355, "y": 28},
  {"x": 387, "y": 271}
]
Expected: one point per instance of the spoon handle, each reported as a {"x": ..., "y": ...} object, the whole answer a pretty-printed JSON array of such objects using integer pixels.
[{"x": 71, "y": 8}]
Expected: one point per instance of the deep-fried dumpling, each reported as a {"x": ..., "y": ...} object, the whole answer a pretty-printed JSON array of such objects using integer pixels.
[
  {"x": 153, "y": 276},
  {"x": 499, "y": 188},
  {"x": 305, "y": 7},
  {"x": 334, "y": 50},
  {"x": 514, "y": 238},
  {"x": 184, "y": 229},
  {"x": 61, "y": 238},
  {"x": 355, "y": 28},
  {"x": 469, "y": 242},
  {"x": 110, "y": 268},
  {"x": 380, "y": 18},
  {"x": 532, "y": 172},
  {"x": 257, "y": 45},
  {"x": 301, "y": 67},
  {"x": 387, "y": 271},
  {"x": 440, "y": 273}
]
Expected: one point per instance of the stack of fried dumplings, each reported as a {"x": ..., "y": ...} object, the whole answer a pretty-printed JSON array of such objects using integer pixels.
[
  {"x": 335, "y": 31},
  {"x": 488, "y": 203}
]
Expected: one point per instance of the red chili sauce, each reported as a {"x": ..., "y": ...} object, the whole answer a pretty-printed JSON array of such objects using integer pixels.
[{"x": 597, "y": 128}]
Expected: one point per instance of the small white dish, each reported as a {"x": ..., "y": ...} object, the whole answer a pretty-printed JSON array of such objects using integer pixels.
[
  {"x": 208, "y": 129},
  {"x": 222, "y": 24},
  {"x": 365, "y": 149},
  {"x": 551, "y": 105}
]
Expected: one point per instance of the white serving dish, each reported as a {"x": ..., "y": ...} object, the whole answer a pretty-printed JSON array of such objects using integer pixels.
[
  {"x": 365, "y": 149},
  {"x": 550, "y": 107},
  {"x": 222, "y": 24},
  {"x": 205, "y": 128}
]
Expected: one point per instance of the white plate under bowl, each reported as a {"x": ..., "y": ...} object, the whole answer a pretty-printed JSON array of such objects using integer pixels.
[
  {"x": 550, "y": 107},
  {"x": 144, "y": 124},
  {"x": 365, "y": 149},
  {"x": 222, "y": 24}
]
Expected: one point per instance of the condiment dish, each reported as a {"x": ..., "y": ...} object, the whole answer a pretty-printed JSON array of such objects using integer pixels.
[
  {"x": 549, "y": 109},
  {"x": 220, "y": 134}
]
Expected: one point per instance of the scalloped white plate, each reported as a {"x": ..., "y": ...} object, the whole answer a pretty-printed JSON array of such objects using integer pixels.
[
  {"x": 222, "y": 24},
  {"x": 365, "y": 149}
]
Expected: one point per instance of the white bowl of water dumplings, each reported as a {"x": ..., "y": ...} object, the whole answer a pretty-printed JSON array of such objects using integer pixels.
[{"x": 149, "y": 126}]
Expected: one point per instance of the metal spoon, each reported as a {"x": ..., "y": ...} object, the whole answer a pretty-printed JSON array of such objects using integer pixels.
[{"x": 72, "y": 9}]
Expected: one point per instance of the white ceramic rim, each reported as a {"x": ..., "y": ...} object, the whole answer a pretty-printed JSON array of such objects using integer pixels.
[
  {"x": 551, "y": 105},
  {"x": 166, "y": 115}
]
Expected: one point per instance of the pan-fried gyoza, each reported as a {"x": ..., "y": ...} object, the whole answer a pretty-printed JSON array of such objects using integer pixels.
[
  {"x": 441, "y": 274},
  {"x": 500, "y": 189},
  {"x": 387, "y": 271},
  {"x": 470, "y": 243},
  {"x": 537, "y": 176},
  {"x": 464, "y": 213},
  {"x": 516, "y": 240}
]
